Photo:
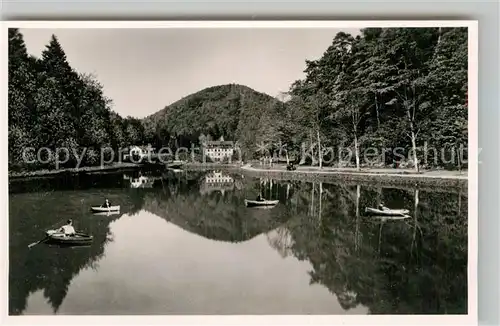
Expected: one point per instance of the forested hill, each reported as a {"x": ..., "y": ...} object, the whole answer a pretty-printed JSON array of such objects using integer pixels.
[{"x": 232, "y": 111}]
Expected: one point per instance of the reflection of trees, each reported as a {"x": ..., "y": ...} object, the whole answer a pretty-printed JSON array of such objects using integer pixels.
[
  {"x": 412, "y": 266},
  {"x": 52, "y": 268},
  {"x": 281, "y": 240},
  {"x": 216, "y": 216},
  {"x": 67, "y": 181},
  {"x": 367, "y": 261}
]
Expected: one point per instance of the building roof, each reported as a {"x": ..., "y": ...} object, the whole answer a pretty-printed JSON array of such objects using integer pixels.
[{"x": 213, "y": 143}]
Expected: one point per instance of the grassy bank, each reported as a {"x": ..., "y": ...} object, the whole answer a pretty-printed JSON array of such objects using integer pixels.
[{"x": 113, "y": 168}]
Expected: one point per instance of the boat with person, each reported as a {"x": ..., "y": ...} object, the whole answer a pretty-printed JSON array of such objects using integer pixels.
[
  {"x": 384, "y": 218},
  {"x": 57, "y": 237},
  {"x": 260, "y": 203},
  {"x": 98, "y": 209},
  {"x": 105, "y": 207},
  {"x": 107, "y": 213},
  {"x": 386, "y": 211}
]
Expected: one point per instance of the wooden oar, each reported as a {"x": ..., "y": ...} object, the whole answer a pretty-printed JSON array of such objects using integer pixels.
[{"x": 35, "y": 243}]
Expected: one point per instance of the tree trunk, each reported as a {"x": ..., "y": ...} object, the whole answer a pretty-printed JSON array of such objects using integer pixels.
[
  {"x": 438, "y": 42},
  {"x": 459, "y": 160},
  {"x": 287, "y": 158},
  {"x": 414, "y": 147},
  {"x": 413, "y": 139},
  {"x": 313, "y": 159},
  {"x": 320, "y": 160},
  {"x": 379, "y": 195},
  {"x": 356, "y": 150},
  {"x": 287, "y": 190},
  {"x": 376, "y": 110}
]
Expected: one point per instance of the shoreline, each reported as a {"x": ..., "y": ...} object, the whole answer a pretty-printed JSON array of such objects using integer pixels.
[
  {"x": 87, "y": 169},
  {"x": 113, "y": 168},
  {"x": 302, "y": 172},
  {"x": 381, "y": 177}
]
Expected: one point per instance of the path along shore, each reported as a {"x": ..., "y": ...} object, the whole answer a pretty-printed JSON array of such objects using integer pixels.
[
  {"x": 454, "y": 181},
  {"x": 386, "y": 172}
]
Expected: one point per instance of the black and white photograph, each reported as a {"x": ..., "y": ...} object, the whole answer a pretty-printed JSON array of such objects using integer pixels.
[{"x": 241, "y": 168}]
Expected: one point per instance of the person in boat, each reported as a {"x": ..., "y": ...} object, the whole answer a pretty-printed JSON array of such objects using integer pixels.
[
  {"x": 68, "y": 228},
  {"x": 382, "y": 207},
  {"x": 259, "y": 198},
  {"x": 106, "y": 204}
]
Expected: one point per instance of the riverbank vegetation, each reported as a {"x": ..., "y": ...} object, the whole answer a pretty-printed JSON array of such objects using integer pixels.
[{"x": 399, "y": 94}]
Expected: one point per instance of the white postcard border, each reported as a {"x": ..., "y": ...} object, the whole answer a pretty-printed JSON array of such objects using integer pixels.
[{"x": 470, "y": 319}]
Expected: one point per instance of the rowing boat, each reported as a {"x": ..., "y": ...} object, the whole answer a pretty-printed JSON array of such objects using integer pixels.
[
  {"x": 386, "y": 211},
  {"x": 79, "y": 238},
  {"x": 391, "y": 218},
  {"x": 105, "y": 209},
  {"x": 260, "y": 203},
  {"x": 106, "y": 213}
]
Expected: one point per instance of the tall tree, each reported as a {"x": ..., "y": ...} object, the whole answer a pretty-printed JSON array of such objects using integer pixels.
[{"x": 21, "y": 90}]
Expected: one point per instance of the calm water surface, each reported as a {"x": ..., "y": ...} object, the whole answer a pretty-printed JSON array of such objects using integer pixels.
[{"x": 184, "y": 243}]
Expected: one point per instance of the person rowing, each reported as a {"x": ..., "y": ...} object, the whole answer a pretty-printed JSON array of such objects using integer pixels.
[
  {"x": 68, "y": 228},
  {"x": 259, "y": 198},
  {"x": 106, "y": 204}
]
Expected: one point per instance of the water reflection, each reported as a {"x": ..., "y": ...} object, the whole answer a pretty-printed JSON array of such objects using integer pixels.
[
  {"x": 217, "y": 181},
  {"x": 178, "y": 249}
]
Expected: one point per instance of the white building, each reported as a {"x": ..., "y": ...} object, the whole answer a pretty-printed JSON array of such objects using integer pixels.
[{"x": 218, "y": 150}]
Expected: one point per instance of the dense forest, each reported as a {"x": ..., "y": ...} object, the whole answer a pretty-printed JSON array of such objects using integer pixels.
[
  {"x": 400, "y": 92},
  {"x": 51, "y": 105}
]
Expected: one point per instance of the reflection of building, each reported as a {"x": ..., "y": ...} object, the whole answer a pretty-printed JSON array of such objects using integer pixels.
[
  {"x": 218, "y": 177},
  {"x": 218, "y": 150},
  {"x": 138, "y": 180},
  {"x": 141, "y": 182},
  {"x": 216, "y": 181}
]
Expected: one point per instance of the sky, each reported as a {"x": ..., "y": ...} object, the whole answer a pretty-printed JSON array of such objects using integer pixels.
[{"x": 143, "y": 70}]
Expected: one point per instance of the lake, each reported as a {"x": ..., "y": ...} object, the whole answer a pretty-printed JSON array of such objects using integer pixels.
[{"x": 184, "y": 243}]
